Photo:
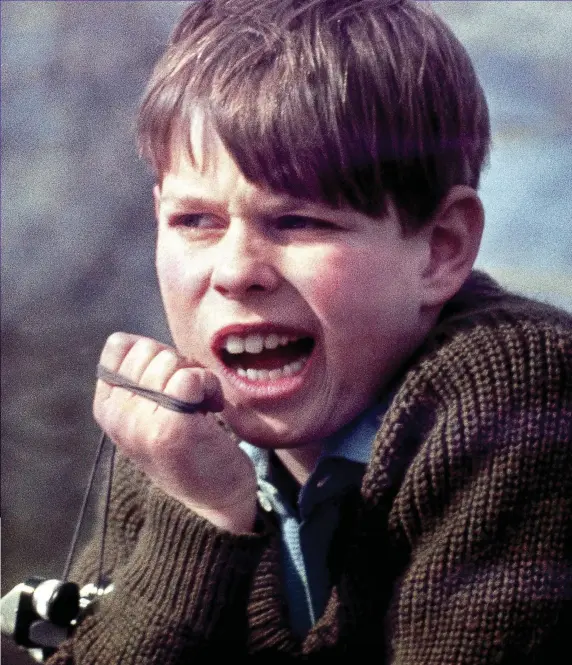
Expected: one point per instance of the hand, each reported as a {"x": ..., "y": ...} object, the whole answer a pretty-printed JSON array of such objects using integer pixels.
[{"x": 189, "y": 456}]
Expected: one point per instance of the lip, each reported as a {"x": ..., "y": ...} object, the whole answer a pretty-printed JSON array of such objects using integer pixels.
[{"x": 276, "y": 389}]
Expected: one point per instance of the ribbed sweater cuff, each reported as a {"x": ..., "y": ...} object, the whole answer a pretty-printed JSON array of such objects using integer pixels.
[{"x": 185, "y": 567}]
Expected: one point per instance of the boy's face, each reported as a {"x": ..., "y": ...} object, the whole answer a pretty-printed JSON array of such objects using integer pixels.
[{"x": 303, "y": 312}]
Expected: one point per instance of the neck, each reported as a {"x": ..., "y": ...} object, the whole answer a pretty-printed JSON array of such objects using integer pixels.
[{"x": 300, "y": 462}]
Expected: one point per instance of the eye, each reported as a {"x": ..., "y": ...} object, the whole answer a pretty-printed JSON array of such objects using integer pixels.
[
  {"x": 196, "y": 221},
  {"x": 295, "y": 222}
]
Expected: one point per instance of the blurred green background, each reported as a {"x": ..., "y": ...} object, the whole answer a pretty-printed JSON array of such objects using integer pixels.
[{"x": 77, "y": 220}]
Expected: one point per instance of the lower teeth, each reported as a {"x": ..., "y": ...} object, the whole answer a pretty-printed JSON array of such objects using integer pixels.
[{"x": 273, "y": 374}]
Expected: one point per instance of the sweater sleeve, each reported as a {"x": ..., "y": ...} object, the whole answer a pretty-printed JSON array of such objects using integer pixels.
[
  {"x": 181, "y": 585},
  {"x": 484, "y": 514}
]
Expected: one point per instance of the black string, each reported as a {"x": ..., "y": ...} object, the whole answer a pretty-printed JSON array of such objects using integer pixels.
[
  {"x": 166, "y": 401},
  {"x": 100, "y": 581},
  {"x": 83, "y": 508}
]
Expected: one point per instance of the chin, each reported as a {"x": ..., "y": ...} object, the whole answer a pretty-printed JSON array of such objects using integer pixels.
[{"x": 267, "y": 432}]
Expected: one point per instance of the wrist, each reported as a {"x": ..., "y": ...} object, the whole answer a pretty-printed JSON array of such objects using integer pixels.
[
  {"x": 239, "y": 520},
  {"x": 237, "y": 515}
]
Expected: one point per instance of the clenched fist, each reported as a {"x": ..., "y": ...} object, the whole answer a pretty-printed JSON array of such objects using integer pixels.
[{"x": 189, "y": 456}]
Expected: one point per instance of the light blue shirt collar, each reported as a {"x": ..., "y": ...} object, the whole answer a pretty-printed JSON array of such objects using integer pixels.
[{"x": 353, "y": 442}]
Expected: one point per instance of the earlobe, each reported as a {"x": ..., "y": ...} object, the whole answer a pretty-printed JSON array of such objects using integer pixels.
[{"x": 454, "y": 237}]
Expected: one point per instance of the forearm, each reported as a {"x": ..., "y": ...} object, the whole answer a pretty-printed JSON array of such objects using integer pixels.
[{"x": 184, "y": 583}]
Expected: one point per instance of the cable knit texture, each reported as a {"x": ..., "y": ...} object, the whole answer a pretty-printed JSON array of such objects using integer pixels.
[{"x": 456, "y": 551}]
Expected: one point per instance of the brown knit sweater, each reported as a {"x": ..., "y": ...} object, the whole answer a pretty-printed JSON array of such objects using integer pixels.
[{"x": 456, "y": 551}]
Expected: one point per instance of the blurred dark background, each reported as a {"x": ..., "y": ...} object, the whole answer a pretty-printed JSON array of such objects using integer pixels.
[{"x": 78, "y": 230}]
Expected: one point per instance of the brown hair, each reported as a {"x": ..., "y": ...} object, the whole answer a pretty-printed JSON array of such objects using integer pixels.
[{"x": 337, "y": 101}]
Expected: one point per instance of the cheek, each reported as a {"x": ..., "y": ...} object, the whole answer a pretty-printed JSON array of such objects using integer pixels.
[
  {"x": 180, "y": 275},
  {"x": 180, "y": 288},
  {"x": 181, "y": 283},
  {"x": 359, "y": 297},
  {"x": 326, "y": 287},
  {"x": 338, "y": 284}
]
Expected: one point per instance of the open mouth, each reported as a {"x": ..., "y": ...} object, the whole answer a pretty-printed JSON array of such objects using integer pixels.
[{"x": 268, "y": 357}]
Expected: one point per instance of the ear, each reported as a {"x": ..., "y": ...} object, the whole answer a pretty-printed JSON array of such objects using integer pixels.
[{"x": 454, "y": 237}]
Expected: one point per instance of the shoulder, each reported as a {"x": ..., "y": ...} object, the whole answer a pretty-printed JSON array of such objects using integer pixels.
[
  {"x": 495, "y": 347},
  {"x": 488, "y": 395},
  {"x": 474, "y": 458}
]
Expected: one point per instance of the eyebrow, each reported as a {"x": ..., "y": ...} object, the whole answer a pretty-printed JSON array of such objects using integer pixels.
[
  {"x": 286, "y": 206},
  {"x": 185, "y": 200}
]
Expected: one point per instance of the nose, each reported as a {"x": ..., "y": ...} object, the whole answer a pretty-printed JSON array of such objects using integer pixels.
[{"x": 244, "y": 263}]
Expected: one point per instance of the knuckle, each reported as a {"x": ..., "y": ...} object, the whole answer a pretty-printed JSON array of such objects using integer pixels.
[
  {"x": 119, "y": 341},
  {"x": 166, "y": 357},
  {"x": 144, "y": 348},
  {"x": 160, "y": 368},
  {"x": 146, "y": 344},
  {"x": 115, "y": 348},
  {"x": 186, "y": 383},
  {"x": 188, "y": 377}
]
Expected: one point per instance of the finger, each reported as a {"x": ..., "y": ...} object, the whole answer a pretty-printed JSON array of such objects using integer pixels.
[
  {"x": 160, "y": 398},
  {"x": 127, "y": 355},
  {"x": 160, "y": 369},
  {"x": 155, "y": 376},
  {"x": 112, "y": 355},
  {"x": 138, "y": 358},
  {"x": 214, "y": 397},
  {"x": 196, "y": 385},
  {"x": 158, "y": 374},
  {"x": 132, "y": 368}
]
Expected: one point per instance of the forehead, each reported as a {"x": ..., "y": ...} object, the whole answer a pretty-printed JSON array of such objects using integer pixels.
[
  {"x": 202, "y": 173},
  {"x": 211, "y": 177},
  {"x": 202, "y": 170}
]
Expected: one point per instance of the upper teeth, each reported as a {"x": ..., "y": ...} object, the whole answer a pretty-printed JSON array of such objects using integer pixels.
[{"x": 255, "y": 343}]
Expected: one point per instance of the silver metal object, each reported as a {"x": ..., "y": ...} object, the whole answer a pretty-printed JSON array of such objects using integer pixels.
[{"x": 39, "y": 614}]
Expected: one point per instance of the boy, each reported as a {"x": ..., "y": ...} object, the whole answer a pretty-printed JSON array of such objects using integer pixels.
[{"x": 389, "y": 472}]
